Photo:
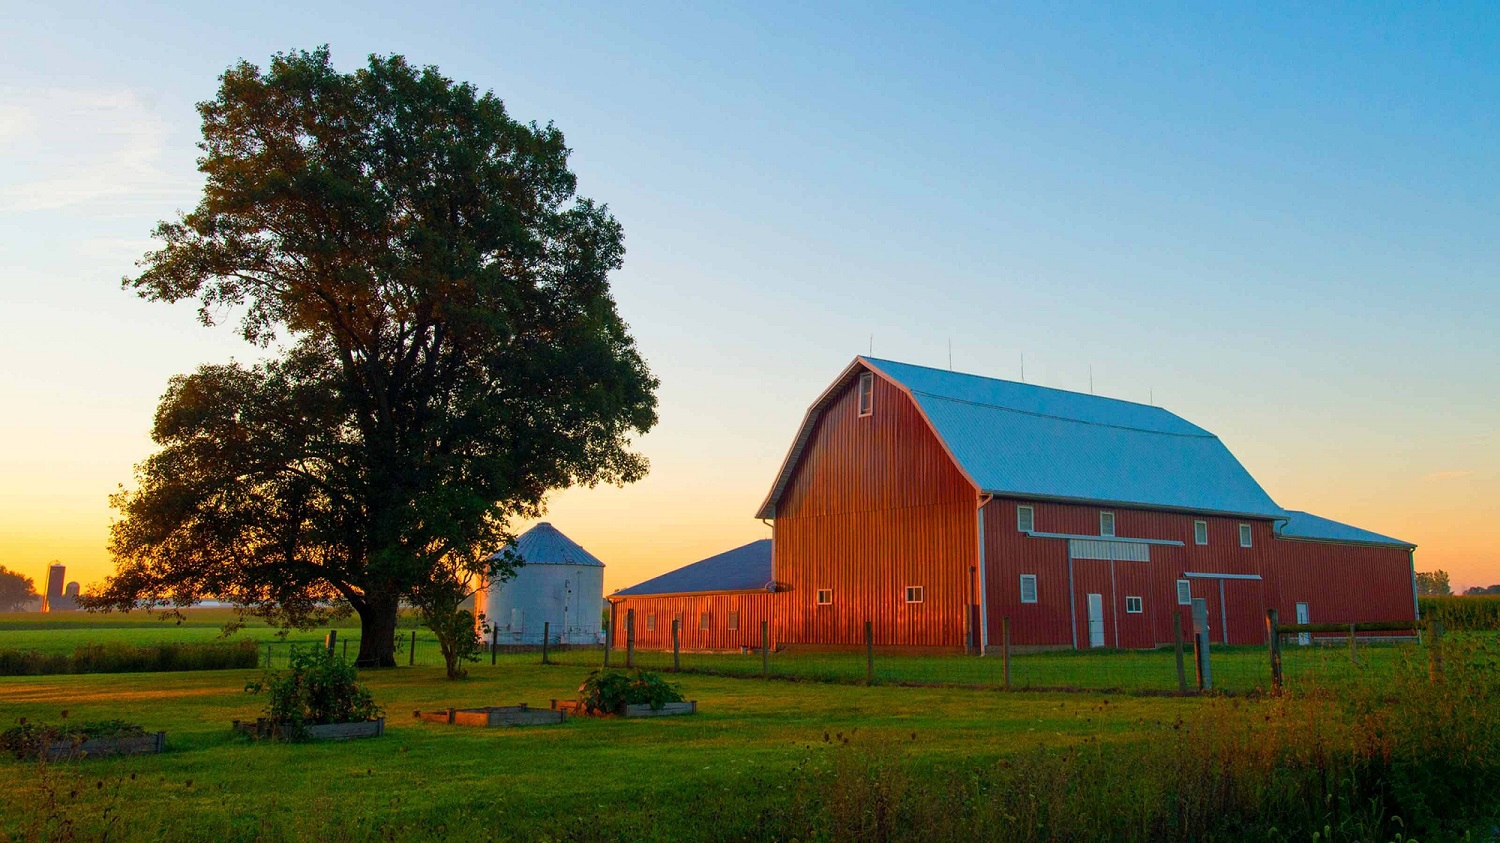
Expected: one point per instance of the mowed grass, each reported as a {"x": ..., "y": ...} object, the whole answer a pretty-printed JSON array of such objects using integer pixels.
[{"x": 643, "y": 778}]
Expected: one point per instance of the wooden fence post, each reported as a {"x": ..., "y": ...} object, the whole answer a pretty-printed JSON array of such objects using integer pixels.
[
  {"x": 629, "y": 639},
  {"x": 869, "y": 653},
  {"x": 1005, "y": 650},
  {"x": 546, "y": 639},
  {"x": 411, "y": 656},
  {"x": 1273, "y": 632},
  {"x": 676, "y": 645},
  {"x": 1177, "y": 645},
  {"x": 609, "y": 633},
  {"x": 1435, "y": 666},
  {"x": 331, "y": 640},
  {"x": 346, "y": 649},
  {"x": 765, "y": 649},
  {"x": 1353, "y": 650},
  {"x": 494, "y": 643}
]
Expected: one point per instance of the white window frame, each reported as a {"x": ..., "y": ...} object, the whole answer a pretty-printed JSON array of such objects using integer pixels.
[
  {"x": 705, "y": 621},
  {"x": 866, "y": 399},
  {"x": 1140, "y": 605},
  {"x": 1034, "y": 595},
  {"x": 1027, "y": 525},
  {"x": 1200, "y": 532},
  {"x": 650, "y": 621},
  {"x": 1246, "y": 539},
  {"x": 1110, "y": 516},
  {"x": 914, "y": 590},
  {"x": 734, "y": 619},
  {"x": 822, "y": 593},
  {"x": 1185, "y": 587}
]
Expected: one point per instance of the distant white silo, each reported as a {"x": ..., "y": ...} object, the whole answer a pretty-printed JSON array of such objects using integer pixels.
[{"x": 560, "y": 584}]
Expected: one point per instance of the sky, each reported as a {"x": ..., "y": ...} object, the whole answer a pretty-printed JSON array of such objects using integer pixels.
[{"x": 1281, "y": 222}]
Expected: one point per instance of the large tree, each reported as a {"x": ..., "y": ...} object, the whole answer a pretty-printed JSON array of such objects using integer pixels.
[
  {"x": 1433, "y": 583},
  {"x": 17, "y": 591},
  {"x": 444, "y": 349}
]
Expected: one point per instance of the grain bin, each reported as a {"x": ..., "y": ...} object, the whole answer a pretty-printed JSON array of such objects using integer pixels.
[{"x": 560, "y": 584}]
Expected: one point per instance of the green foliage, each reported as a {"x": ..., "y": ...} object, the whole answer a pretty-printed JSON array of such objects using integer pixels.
[
  {"x": 16, "y": 591},
  {"x": 1433, "y": 583},
  {"x": 605, "y": 691},
  {"x": 1463, "y": 614},
  {"x": 119, "y": 657},
  {"x": 452, "y": 352},
  {"x": 318, "y": 688},
  {"x": 29, "y": 740}
]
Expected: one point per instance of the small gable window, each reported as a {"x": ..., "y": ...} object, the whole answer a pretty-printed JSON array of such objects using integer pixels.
[
  {"x": 866, "y": 394},
  {"x": 914, "y": 594},
  {"x": 825, "y": 597},
  {"x": 1028, "y": 588},
  {"x": 1244, "y": 535},
  {"x": 1132, "y": 605},
  {"x": 1200, "y": 532},
  {"x": 1106, "y": 523},
  {"x": 1025, "y": 519}
]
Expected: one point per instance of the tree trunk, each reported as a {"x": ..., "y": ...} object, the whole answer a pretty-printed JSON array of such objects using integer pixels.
[{"x": 377, "y": 633}]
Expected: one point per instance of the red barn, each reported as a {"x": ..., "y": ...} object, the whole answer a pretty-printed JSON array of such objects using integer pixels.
[{"x": 934, "y": 504}]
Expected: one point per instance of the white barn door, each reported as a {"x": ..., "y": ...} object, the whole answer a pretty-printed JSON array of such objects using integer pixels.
[
  {"x": 1096, "y": 620},
  {"x": 1302, "y": 617}
]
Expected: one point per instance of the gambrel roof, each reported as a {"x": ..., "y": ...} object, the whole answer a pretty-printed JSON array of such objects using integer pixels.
[{"x": 1020, "y": 440}]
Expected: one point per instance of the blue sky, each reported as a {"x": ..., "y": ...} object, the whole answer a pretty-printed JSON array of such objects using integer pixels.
[{"x": 1279, "y": 222}]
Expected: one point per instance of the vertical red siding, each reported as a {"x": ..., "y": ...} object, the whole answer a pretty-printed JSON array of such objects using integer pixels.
[
  {"x": 875, "y": 505},
  {"x": 1340, "y": 583},
  {"x": 753, "y": 607}
]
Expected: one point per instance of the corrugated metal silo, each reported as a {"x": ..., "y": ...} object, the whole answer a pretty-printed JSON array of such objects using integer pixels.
[{"x": 559, "y": 583}]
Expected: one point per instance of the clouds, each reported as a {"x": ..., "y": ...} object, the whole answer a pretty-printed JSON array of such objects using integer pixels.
[{"x": 89, "y": 149}]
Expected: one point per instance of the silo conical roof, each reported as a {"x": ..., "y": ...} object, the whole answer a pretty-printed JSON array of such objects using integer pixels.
[{"x": 544, "y": 544}]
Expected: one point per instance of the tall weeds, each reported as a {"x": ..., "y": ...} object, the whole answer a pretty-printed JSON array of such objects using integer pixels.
[{"x": 129, "y": 658}]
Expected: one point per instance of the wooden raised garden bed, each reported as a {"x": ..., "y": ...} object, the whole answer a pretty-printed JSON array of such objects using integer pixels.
[
  {"x": 263, "y": 728},
  {"x": 494, "y": 715},
  {"x": 148, "y": 744},
  {"x": 667, "y": 710}
]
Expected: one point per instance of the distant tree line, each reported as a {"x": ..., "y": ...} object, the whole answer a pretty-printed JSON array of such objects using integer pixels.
[{"x": 1435, "y": 584}]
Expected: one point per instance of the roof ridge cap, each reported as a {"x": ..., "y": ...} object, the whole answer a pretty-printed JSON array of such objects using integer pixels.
[{"x": 1204, "y": 435}]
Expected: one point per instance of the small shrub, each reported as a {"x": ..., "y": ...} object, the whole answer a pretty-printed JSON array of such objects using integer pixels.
[
  {"x": 605, "y": 691},
  {"x": 29, "y": 740},
  {"x": 319, "y": 688}
]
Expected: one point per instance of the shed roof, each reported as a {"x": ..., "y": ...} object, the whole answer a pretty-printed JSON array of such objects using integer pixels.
[
  {"x": 1021, "y": 440},
  {"x": 1308, "y": 527},
  {"x": 746, "y": 568},
  {"x": 544, "y": 544}
]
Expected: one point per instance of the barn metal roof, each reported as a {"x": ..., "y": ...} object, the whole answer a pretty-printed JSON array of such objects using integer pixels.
[
  {"x": 544, "y": 544},
  {"x": 746, "y": 568},
  {"x": 1021, "y": 440},
  {"x": 1309, "y": 527}
]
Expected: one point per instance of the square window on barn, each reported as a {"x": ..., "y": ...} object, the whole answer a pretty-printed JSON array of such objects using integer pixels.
[
  {"x": 1184, "y": 593},
  {"x": 1025, "y": 519},
  {"x": 734, "y": 620},
  {"x": 703, "y": 621},
  {"x": 825, "y": 597},
  {"x": 1106, "y": 523},
  {"x": 1200, "y": 532},
  {"x": 1244, "y": 535},
  {"x": 866, "y": 394},
  {"x": 914, "y": 594},
  {"x": 650, "y": 621},
  {"x": 1028, "y": 588},
  {"x": 1133, "y": 606}
]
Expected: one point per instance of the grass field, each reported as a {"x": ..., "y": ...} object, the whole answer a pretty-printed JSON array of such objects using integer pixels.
[{"x": 762, "y": 760}]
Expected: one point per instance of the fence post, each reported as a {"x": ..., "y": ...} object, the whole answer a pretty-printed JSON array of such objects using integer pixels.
[
  {"x": 1177, "y": 645},
  {"x": 1353, "y": 651},
  {"x": 765, "y": 649},
  {"x": 1005, "y": 650},
  {"x": 1435, "y": 667},
  {"x": 494, "y": 643},
  {"x": 1201, "y": 644},
  {"x": 1273, "y": 631},
  {"x": 609, "y": 633},
  {"x": 869, "y": 653},
  {"x": 629, "y": 638},
  {"x": 676, "y": 645},
  {"x": 331, "y": 640},
  {"x": 546, "y": 639},
  {"x": 346, "y": 649},
  {"x": 411, "y": 655}
]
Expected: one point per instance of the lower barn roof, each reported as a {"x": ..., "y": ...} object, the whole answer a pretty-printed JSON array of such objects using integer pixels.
[
  {"x": 746, "y": 568},
  {"x": 1309, "y": 527}
]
